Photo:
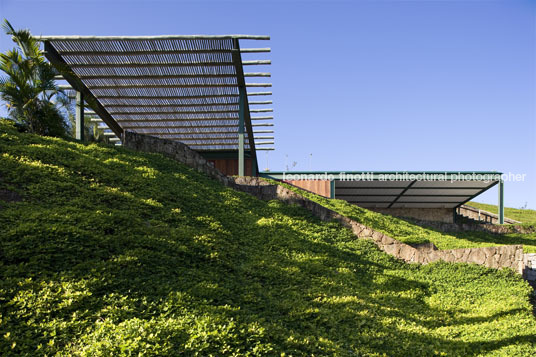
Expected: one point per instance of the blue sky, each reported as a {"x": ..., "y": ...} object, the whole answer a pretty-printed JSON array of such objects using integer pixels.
[{"x": 362, "y": 85}]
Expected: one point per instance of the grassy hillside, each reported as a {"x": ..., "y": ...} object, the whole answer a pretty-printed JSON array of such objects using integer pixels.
[
  {"x": 407, "y": 232},
  {"x": 527, "y": 216},
  {"x": 112, "y": 252}
]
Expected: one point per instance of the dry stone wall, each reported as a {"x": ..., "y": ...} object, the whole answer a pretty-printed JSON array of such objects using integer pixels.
[
  {"x": 510, "y": 256},
  {"x": 530, "y": 267},
  {"x": 482, "y": 216},
  {"x": 493, "y": 257}
]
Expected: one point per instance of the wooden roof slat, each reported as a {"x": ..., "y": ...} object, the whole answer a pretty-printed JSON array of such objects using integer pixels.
[
  {"x": 168, "y": 64},
  {"x": 215, "y": 85},
  {"x": 162, "y": 84},
  {"x": 161, "y": 52}
]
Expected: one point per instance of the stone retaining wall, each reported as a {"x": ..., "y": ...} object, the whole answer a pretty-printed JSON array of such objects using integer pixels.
[
  {"x": 444, "y": 215},
  {"x": 509, "y": 256},
  {"x": 493, "y": 257},
  {"x": 174, "y": 150},
  {"x": 464, "y": 224},
  {"x": 482, "y": 216},
  {"x": 529, "y": 272}
]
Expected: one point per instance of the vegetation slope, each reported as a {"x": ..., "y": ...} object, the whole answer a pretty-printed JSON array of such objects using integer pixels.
[
  {"x": 408, "y": 232},
  {"x": 524, "y": 215},
  {"x": 111, "y": 252}
]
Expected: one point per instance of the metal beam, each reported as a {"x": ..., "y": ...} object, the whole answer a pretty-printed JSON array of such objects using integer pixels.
[
  {"x": 332, "y": 189},
  {"x": 394, "y": 195},
  {"x": 170, "y": 76},
  {"x": 476, "y": 194},
  {"x": 177, "y": 112},
  {"x": 407, "y": 202},
  {"x": 401, "y": 193},
  {"x": 160, "y": 52},
  {"x": 257, "y": 74},
  {"x": 262, "y": 102},
  {"x": 254, "y": 167},
  {"x": 185, "y": 126},
  {"x": 59, "y": 63},
  {"x": 262, "y": 118},
  {"x": 232, "y": 111},
  {"x": 184, "y": 132},
  {"x": 259, "y": 93},
  {"x": 241, "y": 116},
  {"x": 168, "y": 64},
  {"x": 191, "y": 136},
  {"x": 178, "y": 120},
  {"x": 168, "y": 97},
  {"x": 230, "y": 95},
  {"x": 245, "y": 113},
  {"x": 178, "y": 85},
  {"x": 255, "y": 62},
  {"x": 188, "y": 137},
  {"x": 178, "y": 105},
  {"x": 214, "y": 144},
  {"x": 267, "y": 110}
]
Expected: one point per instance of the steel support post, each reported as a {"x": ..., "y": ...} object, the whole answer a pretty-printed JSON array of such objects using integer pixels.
[
  {"x": 241, "y": 118},
  {"x": 79, "y": 117},
  {"x": 501, "y": 202}
]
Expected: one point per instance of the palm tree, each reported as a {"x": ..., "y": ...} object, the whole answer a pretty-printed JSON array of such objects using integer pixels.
[{"x": 29, "y": 88}]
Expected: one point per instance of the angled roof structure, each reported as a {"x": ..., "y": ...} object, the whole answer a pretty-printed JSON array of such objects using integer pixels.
[
  {"x": 397, "y": 189},
  {"x": 186, "y": 88}
]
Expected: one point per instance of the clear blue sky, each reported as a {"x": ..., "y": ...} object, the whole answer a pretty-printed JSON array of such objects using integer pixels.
[{"x": 362, "y": 85}]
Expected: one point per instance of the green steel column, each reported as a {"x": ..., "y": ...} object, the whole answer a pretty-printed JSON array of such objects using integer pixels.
[
  {"x": 332, "y": 189},
  {"x": 241, "y": 116},
  {"x": 79, "y": 117},
  {"x": 501, "y": 201}
]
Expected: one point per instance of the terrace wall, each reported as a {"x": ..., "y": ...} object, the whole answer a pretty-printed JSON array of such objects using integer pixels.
[
  {"x": 494, "y": 257},
  {"x": 482, "y": 216},
  {"x": 509, "y": 256},
  {"x": 443, "y": 215}
]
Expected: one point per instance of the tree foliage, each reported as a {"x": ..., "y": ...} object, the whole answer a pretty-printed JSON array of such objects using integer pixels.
[{"x": 28, "y": 87}]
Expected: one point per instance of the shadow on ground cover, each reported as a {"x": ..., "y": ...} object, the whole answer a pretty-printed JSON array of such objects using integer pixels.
[
  {"x": 114, "y": 252},
  {"x": 405, "y": 230},
  {"x": 472, "y": 239}
]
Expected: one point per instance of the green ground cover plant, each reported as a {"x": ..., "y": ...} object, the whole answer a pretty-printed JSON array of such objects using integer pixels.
[
  {"x": 114, "y": 253},
  {"x": 526, "y": 216},
  {"x": 408, "y": 232}
]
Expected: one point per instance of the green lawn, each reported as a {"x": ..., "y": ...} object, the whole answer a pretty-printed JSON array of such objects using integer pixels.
[
  {"x": 410, "y": 233},
  {"x": 116, "y": 253},
  {"x": 526, "y": 216}
]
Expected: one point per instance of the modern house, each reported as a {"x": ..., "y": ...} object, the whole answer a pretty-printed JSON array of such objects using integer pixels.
[{"x": 193, "y": 89}]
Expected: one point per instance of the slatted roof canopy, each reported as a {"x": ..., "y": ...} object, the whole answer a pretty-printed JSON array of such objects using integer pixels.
[
  {"x": 402, "y": 189},
  {"x": 185, "y": 88}
]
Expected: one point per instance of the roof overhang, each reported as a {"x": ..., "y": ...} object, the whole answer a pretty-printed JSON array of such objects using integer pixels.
[
  {"x": 401, "y": 189},
  {"x": 184, "y": 88}
]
